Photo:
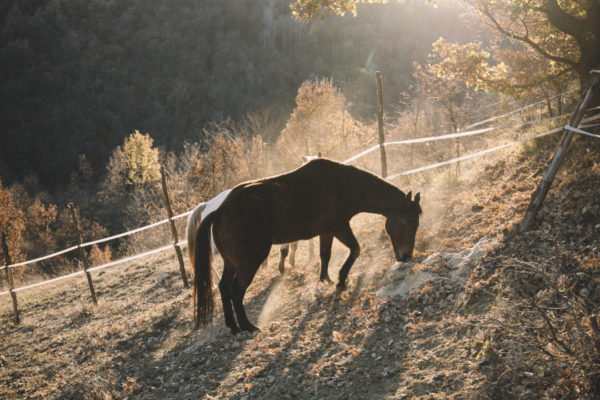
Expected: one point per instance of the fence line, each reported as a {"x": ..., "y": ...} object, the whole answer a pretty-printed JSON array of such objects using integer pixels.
[
  {"x": 483, "y": 152},
  {"x": 474, "y": 132},
  {"x": 184, "y": 243},
  {"x": 143, "y": 228},
  {"x": 96, "y": 268},
  {"x": 451, "y": 136},
  {"x": 58, "y": 253},
  {"x": 472, "y": 155},
  {"x": 485, "y": 121}
]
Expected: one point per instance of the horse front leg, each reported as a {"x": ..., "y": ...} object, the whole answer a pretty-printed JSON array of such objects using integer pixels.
[
  {"x": 293, "y": 247},
  {"x": 346, "y": 236},
  {"x": 325, "y": 241}
]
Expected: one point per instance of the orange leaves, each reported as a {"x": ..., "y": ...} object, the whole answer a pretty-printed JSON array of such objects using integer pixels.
[
  {"x": 99, "y": 256},
  {"x": 466, "y": 62},
  {"x": 12, "y": 223},
  {"x": 305, "y": 10}
]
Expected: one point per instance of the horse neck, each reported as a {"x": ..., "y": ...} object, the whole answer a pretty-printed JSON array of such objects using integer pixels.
[{"x": 379, "y": 196}]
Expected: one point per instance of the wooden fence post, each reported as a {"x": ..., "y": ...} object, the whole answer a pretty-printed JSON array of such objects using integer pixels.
[
  {"x": 380, "y": 124},
  {"x": 9, "y": 279},
  {"x": 173, "y": 228},
  {"x": 86, "y": 261},
  {"x": 538, "y": 196},
  {"x": 266, "y": 159},
  {"x": 457, "y": 169}
]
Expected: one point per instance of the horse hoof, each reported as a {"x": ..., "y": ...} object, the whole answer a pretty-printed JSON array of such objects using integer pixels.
[
  {"x": 341, "y": 286},
  {"x": 327, "y": 280},
  {"x": 251, "y": 328},
  {"x": 235, "y": 331}
]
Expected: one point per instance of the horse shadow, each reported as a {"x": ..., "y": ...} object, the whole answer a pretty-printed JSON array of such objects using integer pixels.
[
  {"x": 353, "y": 374},
  {"x": 144, "y": 375},
  {"x": 207, "y": 362}
]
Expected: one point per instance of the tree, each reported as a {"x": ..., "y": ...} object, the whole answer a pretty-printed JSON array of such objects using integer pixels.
[
  {"x": 73, "y": 81},
  {"x": 563, "y": 36},
  {"x": 448, "y": 92},
  {"x": 566, "y": 35},
  {"x": 320, "y": 124},
  {"x": 141, "y": 160},
  {"x": 38, "y": 236},
  {"x": 130, "y": 189},
  {"x": 222, "y": 166},
  {"x": 308, "y": 9},
  {"x": 133, "y": 165}
]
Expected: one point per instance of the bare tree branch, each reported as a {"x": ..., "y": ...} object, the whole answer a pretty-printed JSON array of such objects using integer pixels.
[{"x": 525, "y": 39}]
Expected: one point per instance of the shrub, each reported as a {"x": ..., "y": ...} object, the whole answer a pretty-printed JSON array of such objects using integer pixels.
[{"x": 100, "y": 256}]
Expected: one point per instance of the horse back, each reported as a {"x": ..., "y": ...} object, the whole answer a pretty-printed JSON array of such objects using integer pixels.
[{"x": 297, "y": 205}]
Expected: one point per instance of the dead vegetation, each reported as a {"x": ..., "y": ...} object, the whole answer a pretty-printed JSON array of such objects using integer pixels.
[{"x": 522, "y": 324}]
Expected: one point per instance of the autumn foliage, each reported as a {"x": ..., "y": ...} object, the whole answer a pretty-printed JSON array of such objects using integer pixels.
[
  {"x": 320, "y": 123},
  {"x": 12, "y": 224}
]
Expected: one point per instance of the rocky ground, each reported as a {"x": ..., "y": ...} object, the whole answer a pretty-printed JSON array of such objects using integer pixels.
[{"x": 480, "y": 313}]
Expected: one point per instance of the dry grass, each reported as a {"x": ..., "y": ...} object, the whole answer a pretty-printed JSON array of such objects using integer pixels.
[{"x": 448, "y": 339}]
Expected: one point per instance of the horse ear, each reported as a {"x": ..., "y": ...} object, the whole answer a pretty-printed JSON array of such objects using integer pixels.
[
  {"x": 409, "y": 196},
  {"x": 417, "y": 198}
]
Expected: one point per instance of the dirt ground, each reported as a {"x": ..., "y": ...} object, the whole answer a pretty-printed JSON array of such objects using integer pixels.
[{"x": 445, "y": 338}]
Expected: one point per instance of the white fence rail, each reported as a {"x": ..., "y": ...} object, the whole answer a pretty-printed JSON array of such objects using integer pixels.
[{"x": 87, "y": 244}]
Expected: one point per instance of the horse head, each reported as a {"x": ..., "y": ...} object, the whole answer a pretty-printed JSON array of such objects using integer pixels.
[{"x": 401, "y": 226}]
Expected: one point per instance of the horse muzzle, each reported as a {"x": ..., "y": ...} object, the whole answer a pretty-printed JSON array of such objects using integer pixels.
[{"x": 404, "y": 257}]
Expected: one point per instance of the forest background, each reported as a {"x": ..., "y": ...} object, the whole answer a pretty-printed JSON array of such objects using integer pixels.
[{"x": 79, "y": 76}]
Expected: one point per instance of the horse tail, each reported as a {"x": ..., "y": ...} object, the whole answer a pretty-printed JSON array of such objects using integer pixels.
[
  {"x": 202, "y": 264},
  {"x": 192, "y": 227}
]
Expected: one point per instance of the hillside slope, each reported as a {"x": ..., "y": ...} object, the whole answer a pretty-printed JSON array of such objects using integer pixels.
[{"x": 519, "y": 323}]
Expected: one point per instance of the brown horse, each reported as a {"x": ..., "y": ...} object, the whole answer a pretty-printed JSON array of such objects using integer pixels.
[{"x": 317, "y": 199}]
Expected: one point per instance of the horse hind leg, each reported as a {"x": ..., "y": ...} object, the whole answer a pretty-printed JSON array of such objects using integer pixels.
[
  {"x": 283, "y": 252},
  {"x": 240, "y": 285},
  {"x": 226, "y": 287},
  {"x": 294, "y": 247}
]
